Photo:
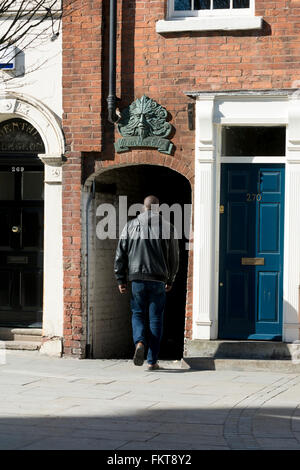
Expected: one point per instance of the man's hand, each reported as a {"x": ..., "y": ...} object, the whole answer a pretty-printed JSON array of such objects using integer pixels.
[
  {"x": 168, "y": 287},
  {"x": 123, "y": 288}
]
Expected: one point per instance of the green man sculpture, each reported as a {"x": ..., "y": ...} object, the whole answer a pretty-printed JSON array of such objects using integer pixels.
[{"x": 143, "y": 124}]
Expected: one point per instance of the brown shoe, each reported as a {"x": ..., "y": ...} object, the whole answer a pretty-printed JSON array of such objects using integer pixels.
[
  {"x": 153, "y": 366},
  {"x": 138, "y": 358}
]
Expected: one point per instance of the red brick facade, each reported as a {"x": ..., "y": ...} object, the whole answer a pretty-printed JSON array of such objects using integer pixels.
[
  {"x": 82, "y": 127},
  {"x": 163, "y": 67}
]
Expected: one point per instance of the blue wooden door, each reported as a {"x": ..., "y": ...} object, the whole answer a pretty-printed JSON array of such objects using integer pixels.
[{"x": 251, "y": 251}]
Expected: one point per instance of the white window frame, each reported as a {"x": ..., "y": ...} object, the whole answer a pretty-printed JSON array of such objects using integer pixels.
[
  {"x": 209, "y": 20},
  {"x": 173, "y": 14}
]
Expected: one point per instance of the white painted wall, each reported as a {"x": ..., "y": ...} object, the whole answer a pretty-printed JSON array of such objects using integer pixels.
[
  {"x": 111, "y": 325},
  {"x": 38, "y": 67},
  {"x": 53, "y": 263},
  {"x": 34, "y": 92}
]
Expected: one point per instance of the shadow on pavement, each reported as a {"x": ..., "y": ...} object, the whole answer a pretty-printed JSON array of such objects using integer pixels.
[{"x": 163, "y": 428}]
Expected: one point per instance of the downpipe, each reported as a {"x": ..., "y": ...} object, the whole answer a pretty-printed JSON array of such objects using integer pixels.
[{"x": 112, "y": 99}]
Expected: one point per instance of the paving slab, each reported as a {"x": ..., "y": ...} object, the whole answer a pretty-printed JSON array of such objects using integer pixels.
[
  {"x": 165, "y": 445},
  {"x": 296, "y": 425},
  {"x": 296, "y": 435},
  {"x": 278, "y": 444},
  {"x": 9, "y": 379},
  {"x": 188, "y": 401},
  {"x": 191, "y": 438},
  {"x": 66, "y": 443},
  {"x": 52, "y": 403},
  {"x": 16, "y": 441},
  {"x": 187, "y": 429},
  {"x": 32, "y": 433},
  {"x": 100, "y": 424},
  {"x": 115, "y": 435},
  {"x": 255, "y": 378}
]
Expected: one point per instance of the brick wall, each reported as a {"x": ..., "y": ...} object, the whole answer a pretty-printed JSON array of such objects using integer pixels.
[
  {"x": 162, "y": 67},
  {"x": 82, "y": 49},
  {"x": 82, "y": 128}
]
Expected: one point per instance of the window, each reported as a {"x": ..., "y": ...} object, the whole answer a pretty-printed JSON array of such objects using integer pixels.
[
  {"x": 209, "y": 15},
  {"x": 7, "y": 186},
  {"x": 253, "y": 141},
  {"x": 32, "y": 185},
  {"x": 183, "y": 8}
]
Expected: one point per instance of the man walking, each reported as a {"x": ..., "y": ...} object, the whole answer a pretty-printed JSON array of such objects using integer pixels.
[{"x": 148, "y": 256}]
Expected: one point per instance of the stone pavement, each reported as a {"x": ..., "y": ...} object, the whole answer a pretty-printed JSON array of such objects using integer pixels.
[{"x": 49, "y": 403}]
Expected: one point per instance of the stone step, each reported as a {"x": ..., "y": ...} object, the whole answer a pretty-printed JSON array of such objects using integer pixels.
[
  {"x": 20, "y": 345},
  {"x": 250, "y": 365},
  {"x": 27, "y": 338},
  {"x": 242, "y": 355},
  {"x": 221, "y": 349},
  {"x": 20, "y": 334}
]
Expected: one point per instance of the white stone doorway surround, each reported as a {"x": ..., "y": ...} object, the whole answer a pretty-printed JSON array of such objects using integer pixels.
[
  {"x": 261, "y": 108},
  {"x": 15, "y": 105}
]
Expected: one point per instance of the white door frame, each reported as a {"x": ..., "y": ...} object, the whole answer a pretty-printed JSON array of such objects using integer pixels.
[
  {"x": 15, "y": 105},
  {"x": 242, "y": 108}
]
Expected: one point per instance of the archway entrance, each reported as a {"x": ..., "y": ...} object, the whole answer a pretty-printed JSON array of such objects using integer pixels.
[
  {"x": 110, "y": 322},
  {"x": 21, "y": 215}
]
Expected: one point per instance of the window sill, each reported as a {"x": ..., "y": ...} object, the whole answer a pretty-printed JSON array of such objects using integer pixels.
[{"x": 209, "y": 24}]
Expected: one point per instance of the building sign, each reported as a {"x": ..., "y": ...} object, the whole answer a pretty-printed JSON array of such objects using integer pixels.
[
  {"x": 19, "y": 136},
  {"x": 143, "y": 124}
]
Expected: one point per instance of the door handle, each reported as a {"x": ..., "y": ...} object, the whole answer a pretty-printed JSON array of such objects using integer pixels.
[{"x": 16, "y": 229}]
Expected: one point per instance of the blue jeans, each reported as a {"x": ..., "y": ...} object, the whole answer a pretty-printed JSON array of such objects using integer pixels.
[{"x": 148, "y": 297}]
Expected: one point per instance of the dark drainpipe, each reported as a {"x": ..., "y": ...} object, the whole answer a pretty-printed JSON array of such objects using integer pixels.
[{"x": 111, "y": 99}]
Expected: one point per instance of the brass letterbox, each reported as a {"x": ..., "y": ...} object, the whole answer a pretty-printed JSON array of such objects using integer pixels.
[{"x": 253, "y": 261}]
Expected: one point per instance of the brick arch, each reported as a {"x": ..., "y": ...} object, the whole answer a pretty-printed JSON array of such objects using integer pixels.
[{"x": 144, "y": 158}]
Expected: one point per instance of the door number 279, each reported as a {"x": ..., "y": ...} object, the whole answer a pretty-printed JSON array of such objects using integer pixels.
[{"x": 253, "y": 197}]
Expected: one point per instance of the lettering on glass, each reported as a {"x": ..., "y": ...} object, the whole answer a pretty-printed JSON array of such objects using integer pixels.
[{"x": 19, "y": 136}]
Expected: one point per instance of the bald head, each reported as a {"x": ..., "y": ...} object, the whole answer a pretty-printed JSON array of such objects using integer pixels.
[{"x": 151, "y": 202}]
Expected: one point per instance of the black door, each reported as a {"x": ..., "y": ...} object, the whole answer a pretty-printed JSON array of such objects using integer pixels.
[{"x": 21, "y": 244}]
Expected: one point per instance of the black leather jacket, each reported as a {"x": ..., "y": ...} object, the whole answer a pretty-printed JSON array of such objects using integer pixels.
[{"x": 147, "y": 250}]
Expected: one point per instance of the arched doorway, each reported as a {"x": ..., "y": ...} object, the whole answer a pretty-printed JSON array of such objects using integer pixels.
[
  {"x": 22, "y": 224},
  {"x": 110, "y": 321},
  {"x": 43, "y": 142}
]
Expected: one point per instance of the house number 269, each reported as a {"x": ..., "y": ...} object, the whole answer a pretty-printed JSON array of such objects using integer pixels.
[
  {"x": 17, "y": 168},
  {"x": 253, "y": 197}
]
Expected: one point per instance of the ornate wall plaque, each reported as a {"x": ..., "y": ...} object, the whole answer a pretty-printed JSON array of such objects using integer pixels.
[
  {"x": 143, "y": 124},
  {"x": 19, "y": 136}
]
